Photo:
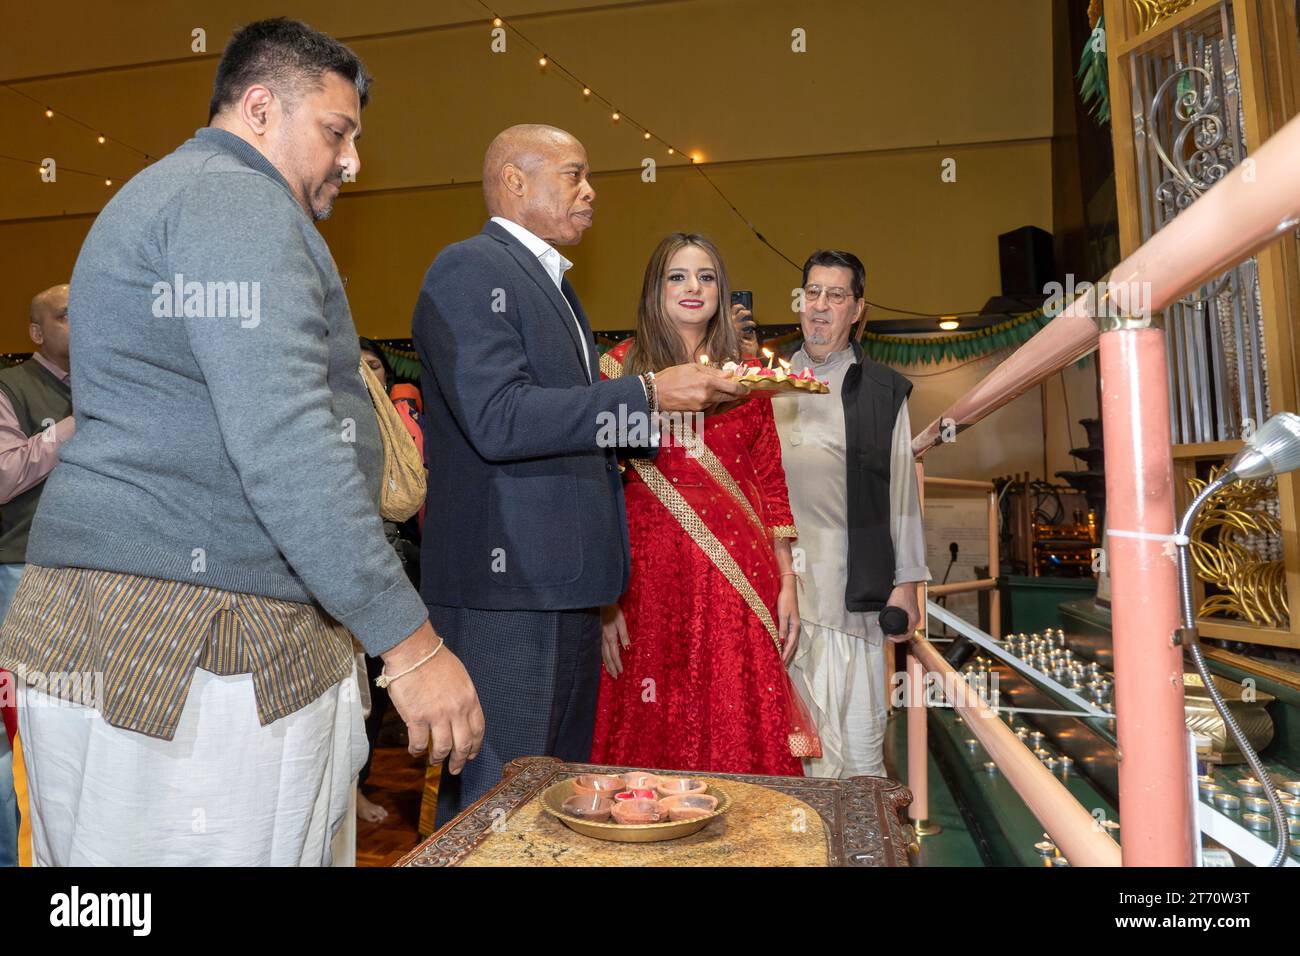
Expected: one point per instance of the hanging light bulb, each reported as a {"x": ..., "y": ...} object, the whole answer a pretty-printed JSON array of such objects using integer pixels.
[
  {"x": 586, "y": 91},
  {"x": 647, "y": 134},
  {"x": 616, "y": 117},
  {"x": 49, "y": 113},
  {"x": 496, "y": 21},
  {"x": 108, "y": 182},
  {"x": 671, "y": 151},
  {"x": 541, "y": 60},
  {"x": 101, "y": 140}
]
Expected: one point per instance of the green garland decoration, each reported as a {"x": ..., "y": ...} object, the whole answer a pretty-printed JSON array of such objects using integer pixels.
[
  {"x": 889, "y": 349},
  {"x": 405, "y": 364},
  {"x": 1094, "y": 84},
  {"x": 910, "y": 350}
]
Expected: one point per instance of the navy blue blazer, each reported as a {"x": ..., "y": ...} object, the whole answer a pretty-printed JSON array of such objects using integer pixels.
[{"x": 525, "y": 506}]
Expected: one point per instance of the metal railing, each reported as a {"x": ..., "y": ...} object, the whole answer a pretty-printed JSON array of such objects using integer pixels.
[{"x": 1247, "y": 209}]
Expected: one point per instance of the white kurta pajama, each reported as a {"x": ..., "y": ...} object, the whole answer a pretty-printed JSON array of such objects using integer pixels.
[
  {"x": 224, "y": 791},
  {"x": 839, "y": 665}
]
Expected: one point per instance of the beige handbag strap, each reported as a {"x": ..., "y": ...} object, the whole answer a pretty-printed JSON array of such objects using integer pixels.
[{"x": 403, "y": 485}]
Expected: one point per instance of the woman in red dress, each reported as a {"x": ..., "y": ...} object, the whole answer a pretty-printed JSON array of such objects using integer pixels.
[{"x": 695, "y": 651}]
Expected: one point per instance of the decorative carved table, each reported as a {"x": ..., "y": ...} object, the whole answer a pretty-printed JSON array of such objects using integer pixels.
[{"x": 774, "y": 821}]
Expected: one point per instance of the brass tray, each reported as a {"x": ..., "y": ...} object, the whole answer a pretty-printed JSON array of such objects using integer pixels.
[
  {"x": 553, "y": 798},
  {"x": 810, "y": 386}
]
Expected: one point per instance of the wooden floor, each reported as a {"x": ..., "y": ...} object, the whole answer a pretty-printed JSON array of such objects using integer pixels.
[{"x": 396, "y": 783}]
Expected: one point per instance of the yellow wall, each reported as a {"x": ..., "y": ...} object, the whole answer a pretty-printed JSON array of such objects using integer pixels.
[
  {"x": 927, "y": 245},
  {"x": 839, "y": 146},
  {"x": 1012, "y": 438}
]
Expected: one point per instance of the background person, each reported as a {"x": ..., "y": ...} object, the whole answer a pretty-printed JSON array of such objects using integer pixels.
[
  {"x": 848, "y": 461},
  {"x": 35, "y": 421}
]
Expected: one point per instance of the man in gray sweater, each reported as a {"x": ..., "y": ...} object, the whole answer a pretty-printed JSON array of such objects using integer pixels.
[{"x": 211, "y": 539}]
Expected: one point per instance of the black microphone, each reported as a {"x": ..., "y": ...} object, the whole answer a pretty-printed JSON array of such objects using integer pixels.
[{"x": 892, "y": 620}]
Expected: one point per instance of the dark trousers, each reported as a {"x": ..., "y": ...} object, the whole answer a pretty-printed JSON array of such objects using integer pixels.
[
  {"x": 537, "y": 674},
  {"x": 379, "y": 702}
]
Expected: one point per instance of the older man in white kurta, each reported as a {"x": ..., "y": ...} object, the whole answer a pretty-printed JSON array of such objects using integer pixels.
[{"x": 839, "y": 667}]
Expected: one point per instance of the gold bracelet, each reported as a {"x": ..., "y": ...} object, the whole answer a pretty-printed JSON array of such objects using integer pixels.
[{"x": 383, "y": 680}]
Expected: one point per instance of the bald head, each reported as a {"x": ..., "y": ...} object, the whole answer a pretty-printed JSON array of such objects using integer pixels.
[
  {"x": 49, "y": 324},
  {"x": 50, "y": 302},
  {"x": 525, "y": 147},
  {"x": 536, "y": 176}
]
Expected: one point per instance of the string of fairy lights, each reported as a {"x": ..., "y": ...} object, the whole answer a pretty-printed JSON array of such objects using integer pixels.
[
  {"x": 101, "y": 138},
  {"x": 547, "y": 64},
  {"x": 617, "y": 115}
]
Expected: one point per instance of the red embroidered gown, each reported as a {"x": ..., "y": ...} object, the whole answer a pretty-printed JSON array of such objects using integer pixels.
[{"x": 702, "y": 686}]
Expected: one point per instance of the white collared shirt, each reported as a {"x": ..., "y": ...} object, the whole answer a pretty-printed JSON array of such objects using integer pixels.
[{"x": 555, "y": 265}]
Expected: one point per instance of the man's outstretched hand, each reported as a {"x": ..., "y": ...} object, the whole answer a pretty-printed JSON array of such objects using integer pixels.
[
  {"x": 436, "y": 700},
  {"x": 695, "y": 388}
]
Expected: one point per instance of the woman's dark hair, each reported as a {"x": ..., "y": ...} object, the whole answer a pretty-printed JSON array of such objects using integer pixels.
[
  {"x": 831, "y": 258},
  {"x": 368, "y": 345},
  {"x": 287, "y": 56}
]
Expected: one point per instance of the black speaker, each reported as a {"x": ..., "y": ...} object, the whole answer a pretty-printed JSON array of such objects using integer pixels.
[{"x": 1027, "y": 262}]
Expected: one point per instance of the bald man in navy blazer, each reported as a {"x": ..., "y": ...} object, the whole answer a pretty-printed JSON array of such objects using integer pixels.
[{"x": 525, "y": 537}]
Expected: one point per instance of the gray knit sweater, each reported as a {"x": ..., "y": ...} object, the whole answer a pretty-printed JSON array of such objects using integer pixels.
[{"x": 224, "y": 435}]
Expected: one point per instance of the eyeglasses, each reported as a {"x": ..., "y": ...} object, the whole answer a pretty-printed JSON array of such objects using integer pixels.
[{"x": 835, "y": 296}]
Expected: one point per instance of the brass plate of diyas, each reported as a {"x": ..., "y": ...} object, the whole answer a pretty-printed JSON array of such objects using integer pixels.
[
  {"x": 635, "y": 807},
  {"x": 778, "y": 379}
]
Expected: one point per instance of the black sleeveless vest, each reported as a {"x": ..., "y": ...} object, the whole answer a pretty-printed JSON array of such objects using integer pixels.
[
  {"x": 872, "y": 395},
  {"x": 37, "y": 397}
]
